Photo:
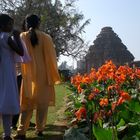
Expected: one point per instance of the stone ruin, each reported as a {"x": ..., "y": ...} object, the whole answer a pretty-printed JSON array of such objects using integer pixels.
[{"x": 107, "y": 46}]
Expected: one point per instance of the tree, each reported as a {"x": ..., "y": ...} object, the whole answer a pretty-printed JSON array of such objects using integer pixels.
[{"x": 61, "y": 21}]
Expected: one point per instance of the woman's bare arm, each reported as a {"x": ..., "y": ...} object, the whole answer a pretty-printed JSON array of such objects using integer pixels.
[{"x": 16, "y": 44}]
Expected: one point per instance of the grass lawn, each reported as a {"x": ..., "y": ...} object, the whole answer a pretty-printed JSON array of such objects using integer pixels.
[{"x": 54, "y": 129}]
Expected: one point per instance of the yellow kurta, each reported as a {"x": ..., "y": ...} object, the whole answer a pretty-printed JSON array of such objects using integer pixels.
[{"x": 40, "y": 74}]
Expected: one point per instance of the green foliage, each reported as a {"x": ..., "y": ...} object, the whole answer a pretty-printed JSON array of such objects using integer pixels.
[
  {"x": 121, "y": 123},
  {"x": 134, "y": 105},
  {"x": 102, "y": 133},
  {"x": 65, "y": 75},
  {"x": 61, "y": 20},
  {"x": 111, "y": 100}
]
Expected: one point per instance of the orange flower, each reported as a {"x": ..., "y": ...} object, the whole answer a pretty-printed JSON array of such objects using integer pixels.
[
  {"x": 106, "y": 71},
  {"x": 125, "y": 95},
  {"x": 123, "y": 72},
  {"x": 103, "y": 102},
  {"x": 113, "y": 87},
  {"x": 92, "y": 74},
  {"x": 91, "y": 96},
  {"x": 81, "y": 113},
  {"x": 79, "y": 89},
  {"x": 86, "y": 79},
  {"x": 93, "y": 93},
  {"x": 76, "y": 80},
  {"x": 96, "y": 90},
  {"x": 120, "y": 78},
  {"x": 120, "y": 101},
  {"x": 137, "y": 72},
  {"x": 114, "y": 104}
]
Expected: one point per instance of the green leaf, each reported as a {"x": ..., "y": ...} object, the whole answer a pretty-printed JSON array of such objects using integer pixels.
[
  {"x": 77, "y": 105},
  {"x": 125, "y": 114},
  {"x": 138, "y": 134},
  {"x": 103, "y": 134},
  {"x": 134, "y": 106},
  {"x": 100, "y": 122},
  {"x": 91, "y": 107},
  {"x": 121, "y": 128},
  {"x": 83, "y": 86},
  {"x": 121, "y": 123}
]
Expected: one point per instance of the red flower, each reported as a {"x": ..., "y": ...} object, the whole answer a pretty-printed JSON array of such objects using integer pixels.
[
  {"x": 81, "y": 113},
  {"x": 96, "y": 116}
]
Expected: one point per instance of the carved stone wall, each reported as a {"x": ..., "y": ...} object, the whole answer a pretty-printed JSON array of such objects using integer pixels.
[{"x": 107, "y": 46}]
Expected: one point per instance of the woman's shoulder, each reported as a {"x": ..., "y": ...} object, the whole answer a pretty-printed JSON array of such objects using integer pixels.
[
  {"x": 45, "y": 34},
  {"x": 23, "y": 33},
  {"x": 4, "y": 35}
]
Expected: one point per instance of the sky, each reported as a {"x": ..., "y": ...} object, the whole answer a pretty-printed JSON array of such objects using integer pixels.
[{"x": 122, "y": 15}]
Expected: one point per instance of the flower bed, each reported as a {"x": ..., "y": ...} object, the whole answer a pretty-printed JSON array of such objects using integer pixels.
[{"x": 107, "y": 102}]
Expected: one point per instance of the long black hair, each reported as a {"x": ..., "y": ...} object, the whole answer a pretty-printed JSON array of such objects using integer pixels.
[{"x": 32, "y": 22}]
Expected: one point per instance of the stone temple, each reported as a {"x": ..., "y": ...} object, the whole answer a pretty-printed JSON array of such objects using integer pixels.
[{"x": 107, "y": 46}]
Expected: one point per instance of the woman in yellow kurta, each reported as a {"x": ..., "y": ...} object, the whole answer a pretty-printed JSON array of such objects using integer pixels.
[{"x": 39, "y": 77}]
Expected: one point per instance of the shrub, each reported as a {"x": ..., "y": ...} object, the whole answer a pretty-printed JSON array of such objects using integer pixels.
[{"x": 109, "y": 101}]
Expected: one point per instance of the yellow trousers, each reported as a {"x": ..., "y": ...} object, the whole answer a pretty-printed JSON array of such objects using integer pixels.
[{"x": 25, "y": 117}]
